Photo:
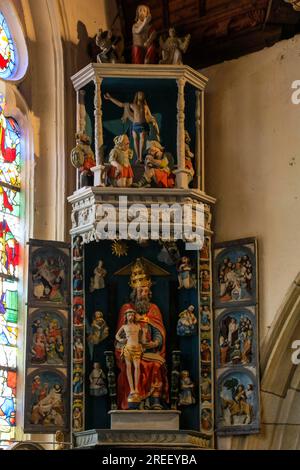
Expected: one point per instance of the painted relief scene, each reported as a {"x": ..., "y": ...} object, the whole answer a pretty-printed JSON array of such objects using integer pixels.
[
  {"x": 47, "y": 338},
  {"x": 235, "y": 271},
  {"x": 49, "y": 281},
  {"x": 237, "y": 400},
  {"x": 46, "y": 407},
  {"x": 236, "y": 331}
]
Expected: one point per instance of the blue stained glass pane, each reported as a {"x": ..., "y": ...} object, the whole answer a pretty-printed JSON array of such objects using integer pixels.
[
  {"x": 7, "y": 50},
  {"x": 8, "y": 381},
  {"x": 10, "y": 171}
]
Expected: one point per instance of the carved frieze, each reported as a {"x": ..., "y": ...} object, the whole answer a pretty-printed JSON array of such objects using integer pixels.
[
  {"x": 91, "y": 207},
  {"x": 156, "y": 439}
]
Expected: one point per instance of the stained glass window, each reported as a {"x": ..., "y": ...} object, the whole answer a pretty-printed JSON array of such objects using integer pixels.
[
  {"x": 7, "y": 50},
  {"x": 9, "y": 262}
]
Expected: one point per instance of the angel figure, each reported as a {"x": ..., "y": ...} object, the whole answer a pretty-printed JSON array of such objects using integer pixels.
[
  {"x": 106, "y": 44},
  {"x": 138, "y": 112},
  {"x": 173, "y": 48}
]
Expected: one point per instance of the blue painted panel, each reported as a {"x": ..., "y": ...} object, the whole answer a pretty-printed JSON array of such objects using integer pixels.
[{"x": 166, "y": 295}]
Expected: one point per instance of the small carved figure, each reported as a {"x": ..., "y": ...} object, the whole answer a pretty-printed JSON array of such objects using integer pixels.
[
  {"x": 186, "y": 395},
  {"x": 205, "y": 386},
  {"x": 78, "y": 381},
  {"x": 77, "y": 249},
  {"x": 206, "y": 419},
  {"x": 130, "y": 336},
  {"x": 205, "y": 316},
  {"x": 158, "y": 167},
  {"x": 97, "y": 381},
  {"x": 205, "y": 351},
  {"x": 144, "y": 50},
  {"x": 120, "y": 172},
  {"x": 236, "y": 354},
  {"x": 77, "y": 282},
  {"x": 173, "y": 48},
  {"x": 99, "y": 329},
  {"x": 140, "y": 115},
  {"x": 97, "y": 281},
  {"x": 187, "y": 322},
  {"x": 78, "y": 313},
  {"x": 186, "y": 277},
  {"x": 107, "y": 45},
  {"x": 82, "y": 158},
  {"x": 205, "y": 278},
  {"x": 188, "y": 157},
  {"x": 78, "y": 349},
  {"x": 204, "y": 254},
  {"x": 77, "y": 415}
]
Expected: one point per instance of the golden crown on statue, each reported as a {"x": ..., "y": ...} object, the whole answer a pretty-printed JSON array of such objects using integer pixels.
[{"x": 139, "y": 276}]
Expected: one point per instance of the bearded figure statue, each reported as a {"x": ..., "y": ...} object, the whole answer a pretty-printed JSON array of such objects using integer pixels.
[{"x": 152, "y": 389}]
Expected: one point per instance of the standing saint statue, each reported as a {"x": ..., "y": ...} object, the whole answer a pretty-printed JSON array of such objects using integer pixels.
[
  {"x": 144, "y": 50},
  {"x": 151, "y": 387}
]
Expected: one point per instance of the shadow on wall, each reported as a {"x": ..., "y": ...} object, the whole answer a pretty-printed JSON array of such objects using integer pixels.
[{"x": 83, "y": 47}]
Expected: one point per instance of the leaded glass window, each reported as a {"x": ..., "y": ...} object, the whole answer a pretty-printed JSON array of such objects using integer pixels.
[
  {"x": 9, "y": 264},
  {"x": 7, "y": 50}
]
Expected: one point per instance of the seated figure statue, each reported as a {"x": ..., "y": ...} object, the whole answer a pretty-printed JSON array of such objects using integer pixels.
[
  {"x": 147, "y": 365},
  {"x": 158, "y": 167}
]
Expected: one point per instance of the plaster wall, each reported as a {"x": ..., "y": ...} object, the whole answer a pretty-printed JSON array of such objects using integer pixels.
[{"x": 253, "y": 163}]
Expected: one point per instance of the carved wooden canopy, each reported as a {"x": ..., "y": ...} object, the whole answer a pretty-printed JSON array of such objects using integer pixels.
[{"x": 220, "y": 29}]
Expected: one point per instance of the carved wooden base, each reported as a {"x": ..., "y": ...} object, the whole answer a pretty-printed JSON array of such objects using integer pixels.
[{"x": 142, "y": 439}]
